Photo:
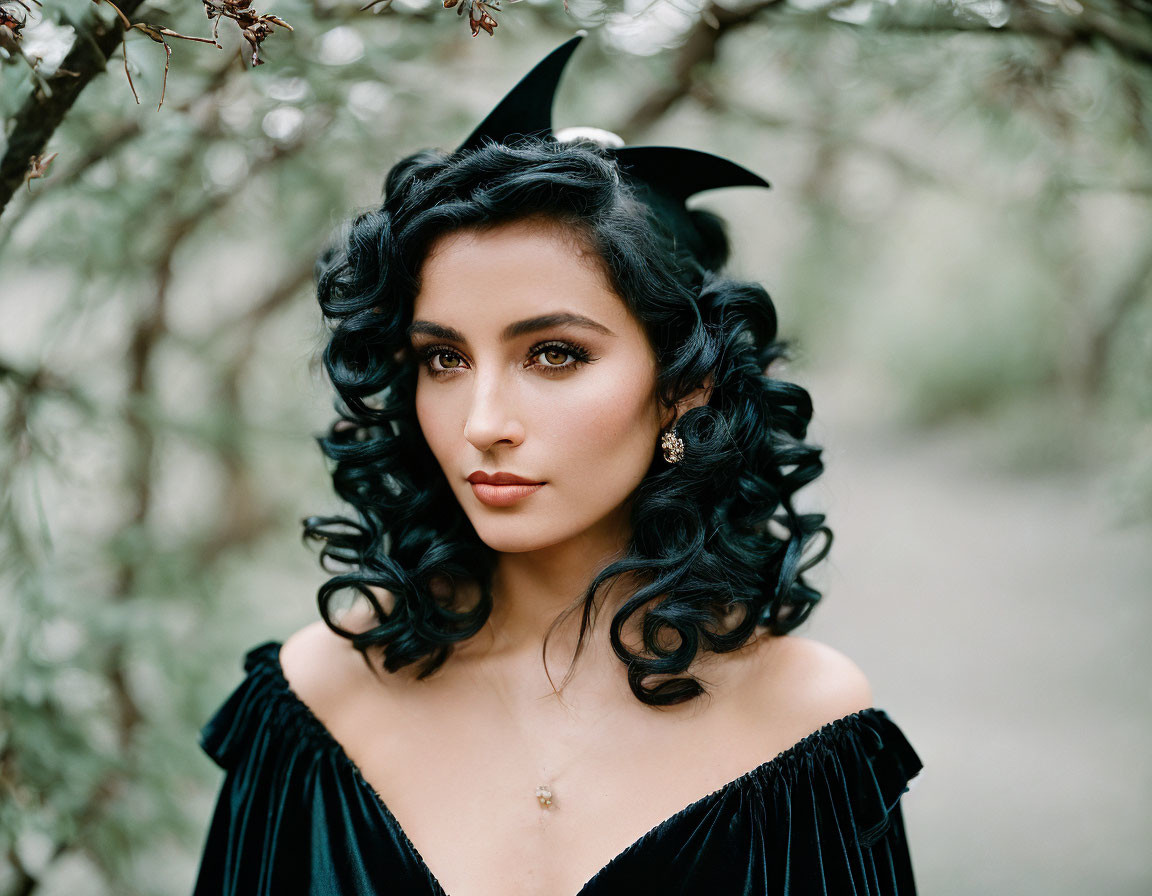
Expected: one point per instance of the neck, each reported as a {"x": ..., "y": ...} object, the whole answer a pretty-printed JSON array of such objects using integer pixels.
[{"x": 531, "y": 589}]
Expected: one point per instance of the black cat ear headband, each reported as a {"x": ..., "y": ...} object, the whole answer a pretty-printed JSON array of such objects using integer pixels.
[{"x": 664, "y": 175}]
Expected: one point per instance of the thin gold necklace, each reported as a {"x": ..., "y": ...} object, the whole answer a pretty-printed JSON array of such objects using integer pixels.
[{"x": 545, "y": 793}]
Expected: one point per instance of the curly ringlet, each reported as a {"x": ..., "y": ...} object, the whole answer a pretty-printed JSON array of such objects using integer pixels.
[{"x": 714, "y": 536}]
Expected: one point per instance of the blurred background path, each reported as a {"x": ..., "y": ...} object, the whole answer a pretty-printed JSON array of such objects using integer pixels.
[{"x": 1004, "y": 622}]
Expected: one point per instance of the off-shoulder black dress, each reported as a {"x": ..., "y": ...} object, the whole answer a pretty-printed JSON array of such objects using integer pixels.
[{"x": 295, "y": 816}]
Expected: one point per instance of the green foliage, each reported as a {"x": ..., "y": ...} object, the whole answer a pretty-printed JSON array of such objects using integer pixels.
[{"x": 962, "y": 205}]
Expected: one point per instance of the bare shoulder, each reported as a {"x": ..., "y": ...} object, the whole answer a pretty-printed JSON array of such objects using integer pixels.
[
  {"x": 322, "y": 667},
  {"x": 805, "y": 683}
]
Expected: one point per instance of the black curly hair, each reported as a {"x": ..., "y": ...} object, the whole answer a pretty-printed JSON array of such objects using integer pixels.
[{"x": 714, "y": 536}]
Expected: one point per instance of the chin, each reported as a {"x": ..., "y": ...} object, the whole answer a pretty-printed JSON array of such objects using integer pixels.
[{"x": 516, "y": 537}]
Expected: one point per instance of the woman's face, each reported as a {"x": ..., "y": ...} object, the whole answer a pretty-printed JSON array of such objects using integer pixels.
[{"x": 531, "y": 365}]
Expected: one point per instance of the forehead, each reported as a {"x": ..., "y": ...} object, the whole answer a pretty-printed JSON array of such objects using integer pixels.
[{"x": 518, "y": 269}]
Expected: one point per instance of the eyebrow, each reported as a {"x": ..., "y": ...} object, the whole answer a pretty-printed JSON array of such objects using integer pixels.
[{"x": 512, "y": 331}]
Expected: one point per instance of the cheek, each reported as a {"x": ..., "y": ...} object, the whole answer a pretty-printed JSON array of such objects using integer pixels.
[
  {"x": 609, "y": 420},
  {"x": 437, "y": 422}
]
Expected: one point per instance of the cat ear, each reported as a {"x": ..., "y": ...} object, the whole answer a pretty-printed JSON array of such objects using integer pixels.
[
  {"x": 527, "y": 108},
  {"x": 679, "y": 173},
  {"x": 665, "y": 176}
]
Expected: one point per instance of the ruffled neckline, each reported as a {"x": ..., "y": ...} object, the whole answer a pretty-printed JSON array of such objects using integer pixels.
[{"x": 267, "y": 655}]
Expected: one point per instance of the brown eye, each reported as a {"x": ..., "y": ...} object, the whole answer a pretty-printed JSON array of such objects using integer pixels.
[
  {"x": 556, "y": 358},
  {"x": 439, "y": 361}
]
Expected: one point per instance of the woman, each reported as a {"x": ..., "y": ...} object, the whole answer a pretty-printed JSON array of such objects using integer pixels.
[{"x": 560, "y": 439}]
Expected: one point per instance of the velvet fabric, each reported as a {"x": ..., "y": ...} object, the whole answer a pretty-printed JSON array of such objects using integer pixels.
[{"x": 295, "y": 815}]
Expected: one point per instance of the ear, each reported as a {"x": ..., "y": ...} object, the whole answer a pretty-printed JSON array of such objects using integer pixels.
[{"x": 694, "y": 399}]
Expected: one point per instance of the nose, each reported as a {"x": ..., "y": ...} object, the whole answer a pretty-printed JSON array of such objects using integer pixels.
[{"x": 492, "y": 419}]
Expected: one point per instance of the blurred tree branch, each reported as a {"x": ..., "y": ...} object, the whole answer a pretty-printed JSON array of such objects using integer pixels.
[
  {"x": 41, "y": 114},
  {"x": 210, "y": 192},
  {"x": 1101, "y": 340},
  {"x": 698, "y": 52},
  {"x": 123, "y": 133},
  {"x": 1123, "y": 26},
  {"x": 243, "y": 523},
  {"x": 906, "y": 166}
]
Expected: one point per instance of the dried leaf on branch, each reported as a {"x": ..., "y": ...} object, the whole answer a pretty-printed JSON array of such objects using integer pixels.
[
  {"x": 253, "y": 25},
  {"x": 38, "y": 167},
  {"x": 11, "y": 31},
  {"x": 479, "y": 11},
  {"x": 10, "y": 20},
  {"x": 159, "y": 34},
  {"x": 10, "y": 27}
]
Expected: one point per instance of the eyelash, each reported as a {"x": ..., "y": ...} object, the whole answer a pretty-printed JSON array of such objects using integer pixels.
[{"x": 578, "y": 355}]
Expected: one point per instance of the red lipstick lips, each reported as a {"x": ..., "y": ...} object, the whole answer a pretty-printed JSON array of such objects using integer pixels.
[{"x": 501, "y": 489}]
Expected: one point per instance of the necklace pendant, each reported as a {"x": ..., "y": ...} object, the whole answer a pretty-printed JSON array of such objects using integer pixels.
[{"x": 544, "y": 796}]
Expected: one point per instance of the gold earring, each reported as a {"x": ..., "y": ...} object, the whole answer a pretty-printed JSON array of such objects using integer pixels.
[{"x": 673, "y": 446}]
